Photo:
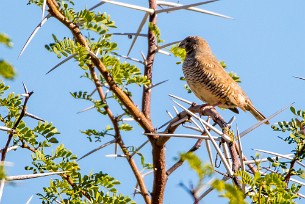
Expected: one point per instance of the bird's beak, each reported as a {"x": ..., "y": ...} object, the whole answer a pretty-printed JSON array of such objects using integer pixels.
[{"x": 181, "y": 44}]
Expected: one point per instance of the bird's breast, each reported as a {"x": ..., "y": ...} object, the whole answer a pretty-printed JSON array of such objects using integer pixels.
[{"x": 205, "y": 84}]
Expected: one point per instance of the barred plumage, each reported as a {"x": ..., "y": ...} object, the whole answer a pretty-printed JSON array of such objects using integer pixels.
[{"x": 208, "y": 80}]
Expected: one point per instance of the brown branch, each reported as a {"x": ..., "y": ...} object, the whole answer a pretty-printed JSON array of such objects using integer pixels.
[
  {"x": 158, "y": 150},
  {"x": 209, "y": 111},
  {"x": 70, "y": 181},
  {"x": 235, "y": 162},
  {"x": 152, "y": 47},
  {"x": 196, "y": 146},
  {"x": 118, "y": 137},
  {"x": 22, "y": 114},
  {"x": 25, "y": 146},
  {"x": 251, "y": 167},
  {"x": 292, "y": 163},
  {"x": 64, "y": 176},
  {"x": 133, "y": 110},
  {"x": 160, "y": 177}
]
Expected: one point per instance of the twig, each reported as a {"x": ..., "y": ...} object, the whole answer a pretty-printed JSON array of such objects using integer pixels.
[
  {"x": 31, "y": 176},
  {"x": 168, "y": 44},
  {"x": 222, "y": 157},
  {"x": 96, "y": 149},
  {"x": 263, "y": 121},
  {"x": 302, "y": 78},
  {"x": 181, "y": 99},
  {"x": 6, "y": 129},
  {"x": 185, "y": 6},
  {"x": 185, "y": 136},
  {"x": 208, "y": 146},
  {"x": 34, "y": 116},
  {"x": 33, "y": 33},
  {"x": 130, "y": 34},
  {"x": 43, "y": 8},
  {"x": 62, "y": 62},
  {"x": 280, "y": 155},
  {"x": 129, "y": 58},
  {"x": 138, "y": 32},
  {"x": 225, "y": 178},
  {"x": 135, "y": 7},
  {"x": 196, "y": 146},
  {"x": 11, "y": 148},
  {"x": 29, "y": 200},
  {"x": 226, "y": 152},
  {"x": 157, "y": 84},
  {"x": 2, "y": 182},
  {"x": 22, "y": 114},
  {"x": 241, "y": 156},
  {"x": 140, "y": 147},
  {"x": 118, "y": 138},
  {"x": 292, "y": 163},
  {"x": 166, "y": 3}
]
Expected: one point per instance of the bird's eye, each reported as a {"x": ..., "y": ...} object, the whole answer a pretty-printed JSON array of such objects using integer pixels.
[{"x": 188, "y": 40}]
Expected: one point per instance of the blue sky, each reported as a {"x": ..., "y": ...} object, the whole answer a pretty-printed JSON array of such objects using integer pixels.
[{"x": 264, "y": 43}]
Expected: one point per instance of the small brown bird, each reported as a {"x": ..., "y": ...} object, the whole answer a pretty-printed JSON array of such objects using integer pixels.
[{"x": 210, "y": 82}]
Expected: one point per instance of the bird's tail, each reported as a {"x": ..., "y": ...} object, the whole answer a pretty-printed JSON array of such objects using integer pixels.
[{"x": 258, "y": 115}]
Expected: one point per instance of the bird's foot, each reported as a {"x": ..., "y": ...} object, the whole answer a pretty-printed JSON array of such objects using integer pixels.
[
  {"x": 194, "y": 104},
  {"x": 203, "y": 107}
]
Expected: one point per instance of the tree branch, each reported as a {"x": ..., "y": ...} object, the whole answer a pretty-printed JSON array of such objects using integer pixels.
[
  {"x": 160, "y": 177},
  {"x": 22, "y": 114},
  {"x": 196, "y": 146},
  {"x": 133, "y": 110},
  {"x": 152, "y": 47},
  {"x": 209, "y": 111},
  {"x": 292, "y": 163},
  {"x": 70, "y": 181},
  {"x": 235, "y": 162},
  {"x": 118, "y": 137}
]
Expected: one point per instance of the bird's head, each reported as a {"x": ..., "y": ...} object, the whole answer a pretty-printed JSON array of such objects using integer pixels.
[{"x": 194, "y": 43}]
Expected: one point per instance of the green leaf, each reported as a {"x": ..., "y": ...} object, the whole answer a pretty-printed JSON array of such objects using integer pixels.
[
  {"x": 235, "y": 77},
  {"x": 223, "y": 64},
  {"x": 155, "y": 29},
  {"x": 196, "y": 164},
  {"x": 292, "y": 109},
  {"x": 7, "y": 71},
  {"x": 5, "y": 40},
  {"x": 125, "y": 127},
  {"x": 53, "y": 140},
  {"x": 178, "y": 52}
]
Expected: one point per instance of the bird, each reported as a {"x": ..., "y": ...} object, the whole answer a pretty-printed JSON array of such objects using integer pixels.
[{"x": 210, "y": 82}]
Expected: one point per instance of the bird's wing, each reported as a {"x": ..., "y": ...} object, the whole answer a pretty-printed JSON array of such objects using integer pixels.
[{"x": 235, "y": 96}]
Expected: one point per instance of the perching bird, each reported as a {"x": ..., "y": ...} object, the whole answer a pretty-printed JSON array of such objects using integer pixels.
[{"x": 210, "y": 82}]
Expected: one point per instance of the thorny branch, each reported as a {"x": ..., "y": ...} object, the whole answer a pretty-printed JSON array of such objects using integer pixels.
[
  {"x": 196, "y": 146},
  {"x": 152, "y": 47},
  {"x": 138, "y": 115},
  {"x": 133, "y": 110},
  {"x": 292, "y": 163},
  {"x": 209, "y": 111},
  {"x": 22, "y": 114},
  {"x": 142, "y": 117},
  {"x": 118, "y": 137},
  {"x": 70, "y": 181},
  {"x": 24, "y": 145},
  {"x": 158, "y": 151}
]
